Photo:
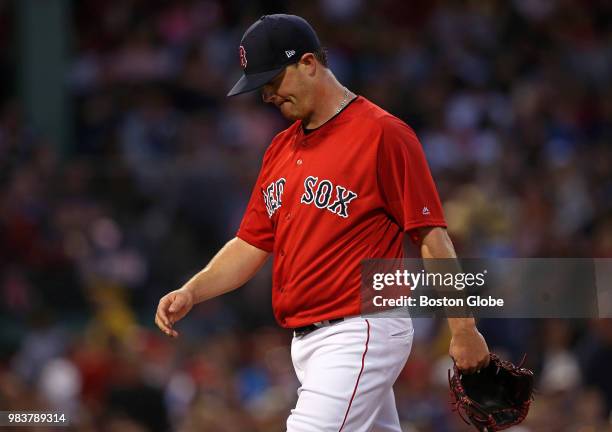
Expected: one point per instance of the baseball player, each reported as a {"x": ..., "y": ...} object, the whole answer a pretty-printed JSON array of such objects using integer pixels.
[{"x": 343, "y": 183}]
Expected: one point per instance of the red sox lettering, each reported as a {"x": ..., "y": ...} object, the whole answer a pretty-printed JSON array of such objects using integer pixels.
[
  {"x": 320, "y": 197},
  {"x": 272, "y": 195}
]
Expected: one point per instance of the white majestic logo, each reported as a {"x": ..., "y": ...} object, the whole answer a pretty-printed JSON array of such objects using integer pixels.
[
  {"x": 290, "y": 53},
  {"x": 425, "y": 211}
]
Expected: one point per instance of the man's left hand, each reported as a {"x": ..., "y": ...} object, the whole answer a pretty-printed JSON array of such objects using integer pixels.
[{"x": 469, "y": 350}]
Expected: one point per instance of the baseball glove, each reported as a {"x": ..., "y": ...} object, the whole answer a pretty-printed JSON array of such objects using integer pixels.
[{"x": 496, "y": 397}]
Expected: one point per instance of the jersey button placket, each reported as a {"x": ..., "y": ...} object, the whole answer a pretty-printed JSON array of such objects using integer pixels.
[{"x": 299, "y": 162}]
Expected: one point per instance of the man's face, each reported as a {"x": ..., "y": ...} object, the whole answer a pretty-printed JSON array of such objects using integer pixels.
[{"x": 289, "y": 93}]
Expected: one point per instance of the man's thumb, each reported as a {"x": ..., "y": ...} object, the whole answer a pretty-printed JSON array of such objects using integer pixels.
[{"x": 176, "y": 304}]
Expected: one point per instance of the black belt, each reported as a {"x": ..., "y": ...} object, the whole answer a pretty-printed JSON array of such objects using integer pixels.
[{"x": 303, "y": 331}]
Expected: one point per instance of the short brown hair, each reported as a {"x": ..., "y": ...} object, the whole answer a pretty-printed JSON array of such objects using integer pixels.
[{"x": 321, "y": 56}]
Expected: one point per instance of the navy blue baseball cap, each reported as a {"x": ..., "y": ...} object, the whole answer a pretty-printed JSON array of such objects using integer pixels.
[{"x": 269, "y": 45}]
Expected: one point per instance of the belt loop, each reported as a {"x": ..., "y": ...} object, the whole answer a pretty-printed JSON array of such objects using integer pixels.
[{"x": 305, "y": 330}]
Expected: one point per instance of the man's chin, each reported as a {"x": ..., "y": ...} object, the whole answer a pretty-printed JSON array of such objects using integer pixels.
[{"x": 289, "y": 114}]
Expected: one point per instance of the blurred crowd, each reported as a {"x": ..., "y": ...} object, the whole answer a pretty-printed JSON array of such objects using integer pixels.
[{"x": 512, "y": 102}]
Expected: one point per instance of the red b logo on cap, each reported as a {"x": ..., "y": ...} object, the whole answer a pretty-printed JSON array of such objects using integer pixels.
[{"x": 243, "y": 60}]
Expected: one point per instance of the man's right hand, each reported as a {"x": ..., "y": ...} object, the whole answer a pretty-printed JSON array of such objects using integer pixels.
[{"x": 172, "y": 307}]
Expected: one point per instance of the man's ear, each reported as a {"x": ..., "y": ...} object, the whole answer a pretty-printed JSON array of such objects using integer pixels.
[{"x": 309, "y": 63}]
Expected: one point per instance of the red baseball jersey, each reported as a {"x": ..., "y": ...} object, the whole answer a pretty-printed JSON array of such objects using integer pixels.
[{"x": 327, "y": 199}]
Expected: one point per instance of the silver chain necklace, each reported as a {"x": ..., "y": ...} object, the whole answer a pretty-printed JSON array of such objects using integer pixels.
[{"x": 344, "y": 101}]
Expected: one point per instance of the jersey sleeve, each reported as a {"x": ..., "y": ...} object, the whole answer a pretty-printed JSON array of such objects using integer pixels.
[
  {"x": 256, "y": 227},
  {"x": 405, "y": 182}
]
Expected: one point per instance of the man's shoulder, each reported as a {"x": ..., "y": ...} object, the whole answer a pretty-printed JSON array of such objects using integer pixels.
[
  {"x": 381, "y": 120},
  {"x": 393, "y": 133}
]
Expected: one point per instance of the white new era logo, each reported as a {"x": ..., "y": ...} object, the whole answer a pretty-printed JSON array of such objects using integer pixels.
[
  {"x": 290, "y": 53},
  {"x": 425, "y": 211}
]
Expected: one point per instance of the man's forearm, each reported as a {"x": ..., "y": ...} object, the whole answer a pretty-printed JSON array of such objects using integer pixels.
[
  {"x": 437, "y": 244},
  {"x": 234, "y": 265}
]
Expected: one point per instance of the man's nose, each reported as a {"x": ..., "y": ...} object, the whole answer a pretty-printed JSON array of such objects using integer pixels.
[{"x": 267, "y": 94}]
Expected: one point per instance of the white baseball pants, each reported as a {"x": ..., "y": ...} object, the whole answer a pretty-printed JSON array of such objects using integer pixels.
[{"x": 347, "y": 371}]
